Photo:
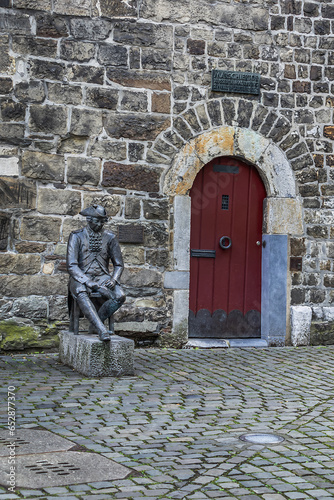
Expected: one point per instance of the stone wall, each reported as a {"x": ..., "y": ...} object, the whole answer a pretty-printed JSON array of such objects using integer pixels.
[{"x": 98, "y": 97}]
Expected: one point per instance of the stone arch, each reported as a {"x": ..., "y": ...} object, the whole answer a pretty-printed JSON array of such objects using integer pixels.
[{"x": 282, "y": 217}]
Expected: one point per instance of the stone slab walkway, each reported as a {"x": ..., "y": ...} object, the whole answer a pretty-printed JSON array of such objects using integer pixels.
[{"x": 176, "y": 424}]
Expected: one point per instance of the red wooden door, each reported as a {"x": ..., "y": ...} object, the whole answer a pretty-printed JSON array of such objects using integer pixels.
[{"x": 225, "y": 273}]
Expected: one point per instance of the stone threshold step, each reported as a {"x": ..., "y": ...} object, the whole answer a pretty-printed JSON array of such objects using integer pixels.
[{"x": 207, "y": 343}]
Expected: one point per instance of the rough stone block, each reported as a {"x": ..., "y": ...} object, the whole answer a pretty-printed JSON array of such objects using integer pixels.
[
  {"x": 4, "y": 230},
  {"x": 43, "y": 166},
  {"x": 49, "y": 70},
  {"x": 144, "y": 35},
  {"x": 301, "y": 317},
  {"x": 177, "y": 280},
  {"x": 40, "y": 228},
  {"x": 135, "y": 177},
  {"x": 71, "y": 50},
  {"x": 6, "y": 85},
  {"x": 36, "y": 47},
  {"x": 135, "y": 126},
  {"x": 72, "y": 8},
  {"x": 32, "y": 307},
  {"x": 117, "y": 8},
  {"x": 32, "y": 91},
  {"x": 19, "y": 263},
  {"x": 112, "y": 203},
  {"x": 83, "y": 170},
  {"x": 21, "y": 286},
  {"x": 102, "y": 98},
  {"x": 44, "y": 5},
  {"x": 139, "y": 79},
  {"x": 58, "y": 201},
  {"x": 17, "y": 193},
  {"x": 7, "y": 62},
  {"x": 9, "y": 166},
  {"x": 161, "y": 103},
  {"x": 90, "y": 29},
  {"x": 12, "y": 111},
  {"x": 283, "y": 216},
  {"x": 93, "y": 358},
  {"x": 48, "y": 119},
  {"x": 86, "y": 122},
  {"x": 15, "y": 23},
  {"x": 113, "y": 55},
  {"x": 109, "y": 150},
  {"x": 50, "y": 25},
  {"x": 141, "y": 277}
]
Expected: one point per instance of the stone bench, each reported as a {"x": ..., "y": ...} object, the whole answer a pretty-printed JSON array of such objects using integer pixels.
[{"x": 93, "y": 358}]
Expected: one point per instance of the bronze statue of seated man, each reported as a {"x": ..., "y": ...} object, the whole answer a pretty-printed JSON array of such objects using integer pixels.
[{"x": 89, "y": 252}]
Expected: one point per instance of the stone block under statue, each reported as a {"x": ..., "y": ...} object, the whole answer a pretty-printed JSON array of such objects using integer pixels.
[{"x": 89, "y": 356}]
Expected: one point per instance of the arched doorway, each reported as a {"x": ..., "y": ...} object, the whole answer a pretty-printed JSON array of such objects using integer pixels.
[
  {"x": 225, "y": 251},
  {"x": 282, "y": 213}
]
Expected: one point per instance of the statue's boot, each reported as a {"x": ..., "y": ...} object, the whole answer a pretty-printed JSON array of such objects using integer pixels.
[
  {"x": 89, "y": 311},
  {"x": 108, "y": 308}
]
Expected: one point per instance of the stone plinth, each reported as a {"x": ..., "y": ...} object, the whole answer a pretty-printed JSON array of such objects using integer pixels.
[{"x": 93, "y": 358}]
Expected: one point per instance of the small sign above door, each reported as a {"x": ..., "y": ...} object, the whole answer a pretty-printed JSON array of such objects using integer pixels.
[{"x": 235, "y": 81}]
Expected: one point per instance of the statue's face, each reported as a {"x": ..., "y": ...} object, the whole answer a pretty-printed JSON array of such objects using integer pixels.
[{"x": 95, "y": 223}]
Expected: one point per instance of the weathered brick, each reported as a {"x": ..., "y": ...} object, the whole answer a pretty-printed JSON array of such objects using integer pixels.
[
  {"x": 83, "y": 170},
  {"x": 43, "y": 166},
  {"x": 135, "y": 126},
  {"x": 135, "y": 177},
  {"x": 17, "y": 193},
  {"x": 40, "y": 228},
  {"x": 61, "y": 201}
]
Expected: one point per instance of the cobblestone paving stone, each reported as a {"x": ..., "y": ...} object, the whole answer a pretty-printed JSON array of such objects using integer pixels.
[{"x": 176, "y": 424}]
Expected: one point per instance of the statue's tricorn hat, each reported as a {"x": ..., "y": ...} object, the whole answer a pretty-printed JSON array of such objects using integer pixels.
[{"x": 95, "y": 211}]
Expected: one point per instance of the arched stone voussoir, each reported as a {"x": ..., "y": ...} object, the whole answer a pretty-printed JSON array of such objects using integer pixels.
[{"x": 270, "y": 160}]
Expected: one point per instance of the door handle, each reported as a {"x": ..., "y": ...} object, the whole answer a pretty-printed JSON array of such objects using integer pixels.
[{"x": 225, "y": 242}]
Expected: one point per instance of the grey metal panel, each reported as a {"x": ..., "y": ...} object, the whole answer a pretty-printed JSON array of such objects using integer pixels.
[{"x": 274, "y": 288}]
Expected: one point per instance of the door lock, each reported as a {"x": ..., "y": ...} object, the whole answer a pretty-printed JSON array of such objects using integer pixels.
[{"x": 258, "y": 243}]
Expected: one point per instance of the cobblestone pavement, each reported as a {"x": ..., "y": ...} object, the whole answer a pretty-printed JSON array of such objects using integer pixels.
[{"x": 177, "y": 423}]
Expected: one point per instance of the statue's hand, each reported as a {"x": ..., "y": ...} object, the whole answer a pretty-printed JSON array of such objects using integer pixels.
[
  {"x": 110, "y": 284},
  {"x": 92, "y": 285}
]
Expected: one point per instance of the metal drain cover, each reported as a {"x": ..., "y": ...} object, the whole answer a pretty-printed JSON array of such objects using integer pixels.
[
  {"x": 28, "y": 441},
  {"x": 44, "y": 459},
  {"x": 59, "y": 469},
  {"x": 261, "y": 438}
]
